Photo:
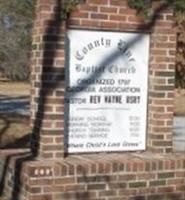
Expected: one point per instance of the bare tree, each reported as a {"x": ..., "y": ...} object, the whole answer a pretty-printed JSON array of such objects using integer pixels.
[{"x": 16, "y": 18}]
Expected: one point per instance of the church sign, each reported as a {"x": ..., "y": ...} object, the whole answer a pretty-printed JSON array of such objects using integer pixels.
[{"x": 106, "y": 91}]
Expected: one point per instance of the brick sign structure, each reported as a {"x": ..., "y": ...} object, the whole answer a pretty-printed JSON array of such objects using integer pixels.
[
  {"x": 153, "y": 173},
  {"x": 48, "y": 68}
]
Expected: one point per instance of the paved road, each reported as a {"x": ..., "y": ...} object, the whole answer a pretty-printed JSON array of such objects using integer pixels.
[
  {"x": 15, "y": 104},
  {"x": 179, "y": 133}
]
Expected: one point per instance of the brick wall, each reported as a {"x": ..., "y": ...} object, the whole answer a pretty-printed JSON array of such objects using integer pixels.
[
  {"x": 155, "y": 174},
  {"x": 116, "y": 178},
  {"x": 145, "y": 176},
  {"x": 47, "y": 93}
]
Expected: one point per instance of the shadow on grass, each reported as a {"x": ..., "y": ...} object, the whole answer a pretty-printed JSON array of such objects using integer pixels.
[
  {"x": 5, "y": 124},
  {"x": 10, "y": 127}
]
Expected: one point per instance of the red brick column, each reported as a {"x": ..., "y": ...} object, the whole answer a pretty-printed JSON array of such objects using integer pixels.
[
  {"x": 161, "y": 84},
  {"x": 47, "y": 80}
]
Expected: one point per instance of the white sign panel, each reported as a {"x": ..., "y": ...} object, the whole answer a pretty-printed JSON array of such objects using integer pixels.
[{"x": 106, "y": 91}]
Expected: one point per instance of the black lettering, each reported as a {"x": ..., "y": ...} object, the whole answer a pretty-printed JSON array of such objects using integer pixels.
[
  {"x": 133, "y": 99},
  {"x": 113, "y": 99},
  {"x": 95, "y": 99}
]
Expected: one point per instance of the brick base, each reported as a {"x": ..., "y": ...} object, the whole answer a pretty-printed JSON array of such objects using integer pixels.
[{"x": 134, "y": 176}]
